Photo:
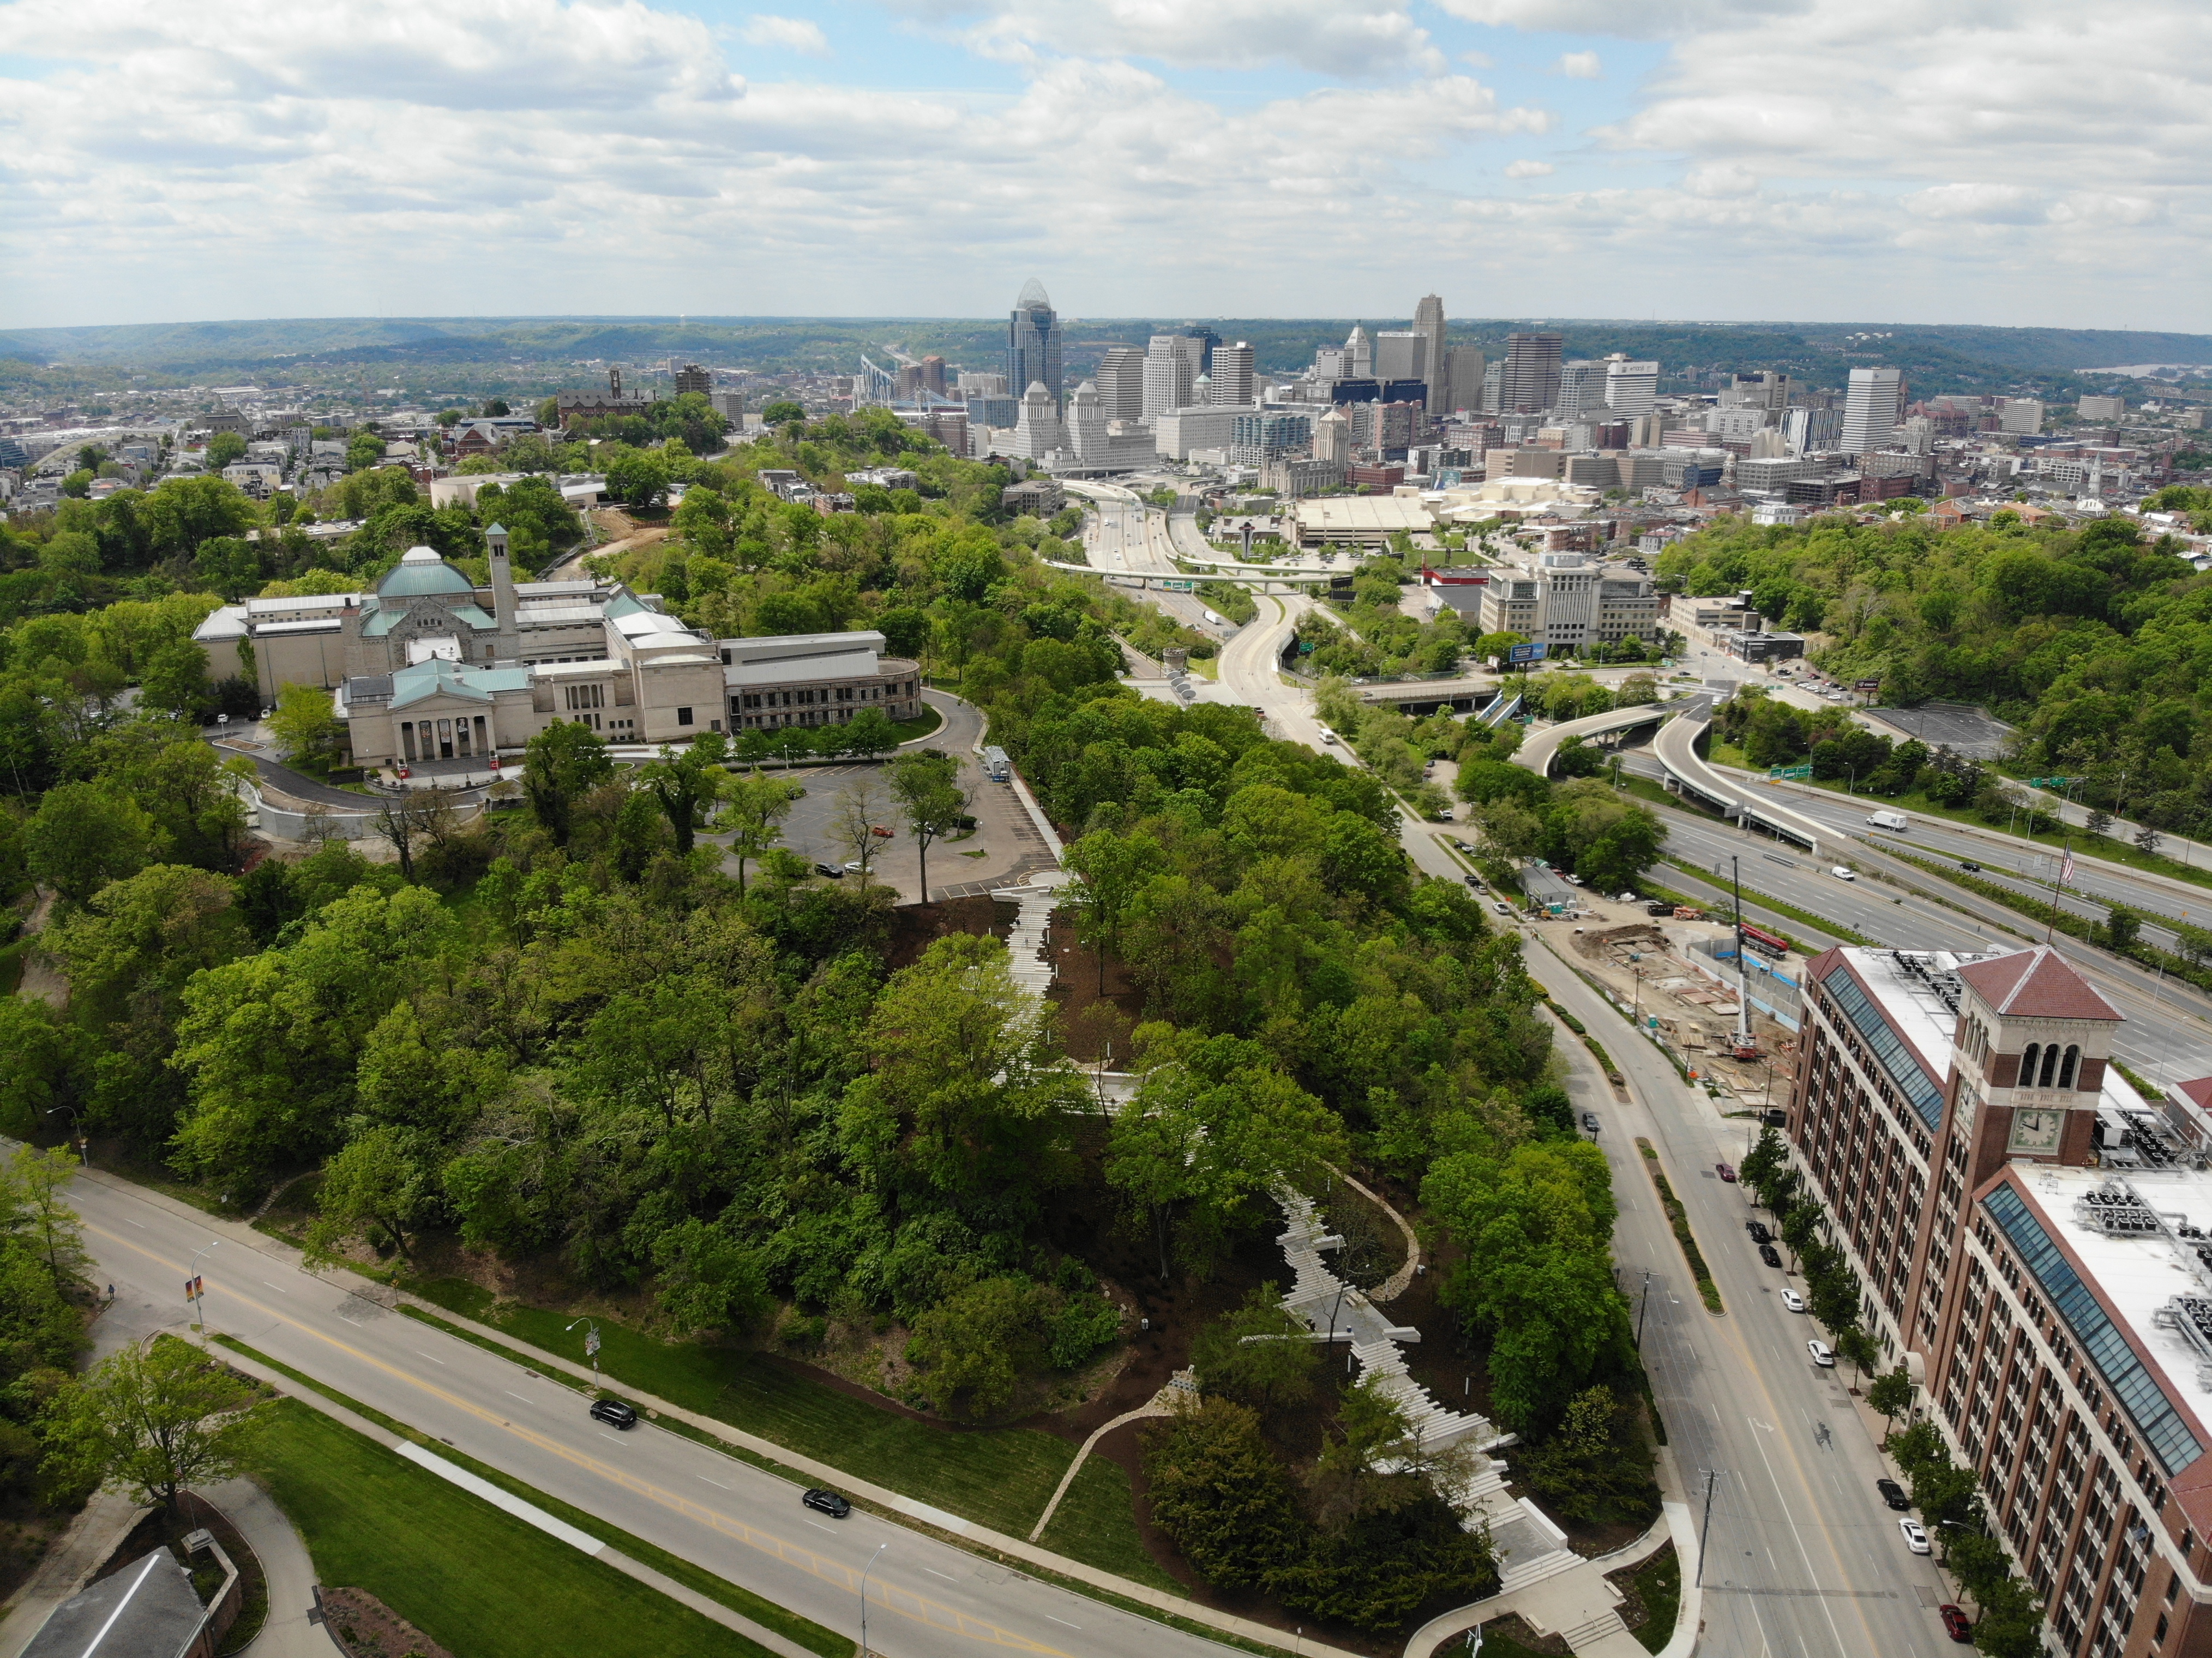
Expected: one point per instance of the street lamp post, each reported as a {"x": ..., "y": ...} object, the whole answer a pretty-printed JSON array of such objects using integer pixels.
[
  {"x": 864, "y": 1570},
  {"x": 195, "y": 1291},
  {"x": 591, "y": 1350},
  {"x": 76, "y": 1132}
]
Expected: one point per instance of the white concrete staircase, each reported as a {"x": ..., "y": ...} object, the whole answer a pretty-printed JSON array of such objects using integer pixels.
[
  {"x": 1034, "y": 904},
  {"x": 1528, "y": 1547}
]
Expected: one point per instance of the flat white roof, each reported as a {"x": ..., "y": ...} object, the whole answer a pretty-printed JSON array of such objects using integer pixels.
[
  {"x": 309, "y": 602},
  {"x": 2137, "y": 1276}
]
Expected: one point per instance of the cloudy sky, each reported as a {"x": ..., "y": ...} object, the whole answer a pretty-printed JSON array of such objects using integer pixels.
[{"x": 2024, "y": 162}]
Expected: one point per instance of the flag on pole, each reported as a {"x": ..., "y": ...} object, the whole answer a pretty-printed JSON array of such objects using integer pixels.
[{"x": 2066, "y": 867}]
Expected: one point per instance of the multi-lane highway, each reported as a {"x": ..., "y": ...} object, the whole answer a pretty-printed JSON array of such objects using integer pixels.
[
  {"x": 926, "y": 1598},
  {"x": 1802, "y": 1557}
]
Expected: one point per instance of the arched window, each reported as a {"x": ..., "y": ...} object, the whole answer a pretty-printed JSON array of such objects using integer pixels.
[
  {"x": 2066, "y": 1069},
  {"x": 2027, "y": 1064},
  {"x": 2046, "y": 1076}
]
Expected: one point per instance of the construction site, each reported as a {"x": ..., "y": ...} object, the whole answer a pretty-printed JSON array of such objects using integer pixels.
[{"x": 1676, "y": 977}]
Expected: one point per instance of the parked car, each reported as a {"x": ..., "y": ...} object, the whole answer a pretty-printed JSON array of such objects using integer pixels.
[
  {"x": 823, "y": 1500},
  {"x": 1823, "y": 1355},
  {"x": 1759, "y": 1232},
  {"x": 1793, "y": 1301},
  {"x": 1574, "y": 880},
  {"x": 1503, "y": 910},
  {"x": 1915, "y": 1535},
  {"x": 854, "y": 867},
  {"x": 1893, "y": 1494},
  {"x": 1842, "y": 874},
  {"x": 1726, "y": 1171},
  {"x": 1771, "y": 1255},
  {"x": 829, "y": 871},
  {"x": 1462, "y": 846},
  {"x": 614, "y": 1413},
  {"x": 1589, "y": 1121},
  {"x": 1955, "y": 1624},
  {"x": 1474, "y": 881}
]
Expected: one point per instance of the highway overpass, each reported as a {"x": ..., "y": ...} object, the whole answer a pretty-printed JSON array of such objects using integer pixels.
[
  {"x": 1676, "y": 748},
  {"x": 1539, "y": 749}
]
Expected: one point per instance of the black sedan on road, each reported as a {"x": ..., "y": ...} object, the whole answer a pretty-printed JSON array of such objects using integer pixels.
[
  {"x": 1768, "y": 1253},
  {"x": 822, "y": 1500}
]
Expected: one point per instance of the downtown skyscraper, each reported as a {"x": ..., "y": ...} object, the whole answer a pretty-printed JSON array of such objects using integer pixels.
[{"x": 1033, "y": 344}]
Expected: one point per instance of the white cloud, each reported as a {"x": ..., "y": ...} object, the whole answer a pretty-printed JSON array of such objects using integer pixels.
[
  {"x": 1355, "y": 38},
  {"x": 1579, "y": 66},
  {"x": 785, "y": 33},
  {"x": 1997, "y": 163}
]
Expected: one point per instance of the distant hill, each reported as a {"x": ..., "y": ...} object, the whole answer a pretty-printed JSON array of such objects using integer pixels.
[{"x": 1960, "y": 357}]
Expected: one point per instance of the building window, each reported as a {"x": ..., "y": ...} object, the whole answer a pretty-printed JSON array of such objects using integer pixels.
[
  {"x": 588, "y": 696},
  {"x": 684, "y": 716}
]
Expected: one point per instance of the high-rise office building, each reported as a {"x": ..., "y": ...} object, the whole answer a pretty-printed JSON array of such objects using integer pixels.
[
  {"x": 1401, "y": 355},
  {"x": 1208, "y": 344},
  {"x": 1871, "y": 407},
  {"x": 1429, "y": 324},
  {"x": 1232, "y": 374},
  {"x": 1630, "y": 388},
  {"x": 1463, "y": 373},
  {"x": 1332, "y": 438},
  {"x": 932, "y": 374},
  {"x": 1582, "y": 387},
  {"x": 1168, "y": 374},
  {"x": 1358, "y": 354},
  {"x": 692, "y": 378},
  {"x": 1493, "y": 389},
  {"x": 1033, "y": 344},
  {"x": 1532, "y": 371},
  {"x": 1121, "y": 383},
  {"x": 1811, "y": 431}
]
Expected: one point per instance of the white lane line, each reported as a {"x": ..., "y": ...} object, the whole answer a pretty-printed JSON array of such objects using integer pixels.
[
  {"x": 711, "y": 1482},
  {"x": 933, "y": 1572},
  {"x": 140, "y": 1224},
  {"x": 419, "y": 1353},
  {"x": 818, "y": 1526},
  {"x": 1063, "y": 1623},
  {"x": 511, "y": 1394},
  {"x": 610, "y": 1436},
  {"x": 280, "y": 1292}
]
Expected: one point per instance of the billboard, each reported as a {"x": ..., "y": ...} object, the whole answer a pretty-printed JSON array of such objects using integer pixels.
[{"x": 1518, "y": 654}]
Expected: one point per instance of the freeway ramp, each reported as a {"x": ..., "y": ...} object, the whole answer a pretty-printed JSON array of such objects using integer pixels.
[
  {"x": 1542, "y": 747},
  {"x": 1677, "y": 749}
]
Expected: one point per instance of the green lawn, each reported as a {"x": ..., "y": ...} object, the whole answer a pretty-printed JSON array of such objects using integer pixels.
[
  {"x": 1095, "y": 1522},
  {"x": 476, "y": 1580},
  {"x": 1659, "y": 1585},
  {"x": 1002, "y": 1476},
  {"x": 920, "y": 725}
]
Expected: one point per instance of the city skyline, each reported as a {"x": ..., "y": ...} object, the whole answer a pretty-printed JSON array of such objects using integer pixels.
[{"x": 704, "y": 158}]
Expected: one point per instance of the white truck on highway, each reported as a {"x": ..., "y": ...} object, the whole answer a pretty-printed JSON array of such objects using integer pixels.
[{"x": 1888, "y": 820}]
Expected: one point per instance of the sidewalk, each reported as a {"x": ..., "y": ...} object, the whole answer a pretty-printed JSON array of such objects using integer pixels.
[{"x": 286, "y": 1565}]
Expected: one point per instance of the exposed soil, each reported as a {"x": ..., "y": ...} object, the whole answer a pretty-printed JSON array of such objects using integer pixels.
[
  {"x": 915, "y": 927},
  {"x": 366, "y": 1627},
  {"x": 1091, "y": 1022}
]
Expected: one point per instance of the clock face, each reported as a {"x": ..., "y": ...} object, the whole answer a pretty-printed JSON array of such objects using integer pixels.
[{"x": 2036, "y": 1131}]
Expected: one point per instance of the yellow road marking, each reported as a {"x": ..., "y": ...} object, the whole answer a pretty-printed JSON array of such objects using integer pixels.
[{"x": 905, "y": 1603}]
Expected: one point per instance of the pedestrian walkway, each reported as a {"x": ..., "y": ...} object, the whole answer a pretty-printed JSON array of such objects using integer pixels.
[
  {"x": 286, "y": 1566},
  {"x": 1035, "y": 903},
  {"x": 1528, "y": 1547}
]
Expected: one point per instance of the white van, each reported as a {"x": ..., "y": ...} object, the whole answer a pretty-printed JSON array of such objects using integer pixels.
[
  {"x": 1888, "y": 820},
  {"x": 1842, "y": 874},
  {"x": 1327, "y": 735}
]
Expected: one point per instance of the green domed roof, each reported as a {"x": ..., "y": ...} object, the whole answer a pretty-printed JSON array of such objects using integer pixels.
[{"x": 421, "y": 571}]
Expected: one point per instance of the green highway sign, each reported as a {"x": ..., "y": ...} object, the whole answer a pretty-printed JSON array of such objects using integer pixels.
[
  {"x": 1797, "y": 772},
  {"x": 2049, "y": 782}
]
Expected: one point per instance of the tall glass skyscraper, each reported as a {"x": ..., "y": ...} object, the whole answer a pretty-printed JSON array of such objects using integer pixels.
[{"x": 1033, "y": 343}]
